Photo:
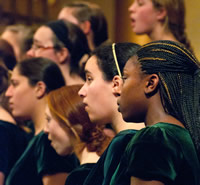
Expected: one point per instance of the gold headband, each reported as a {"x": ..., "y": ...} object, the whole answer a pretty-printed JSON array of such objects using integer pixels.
[{"x": 115, "y": 58}]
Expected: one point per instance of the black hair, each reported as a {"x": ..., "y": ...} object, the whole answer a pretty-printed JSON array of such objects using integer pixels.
[
  {"x": 105, "y": 58},
  {"x": 42, "y": 69},
  {"x": 179, "y": 73},
  {"x": 73, "y": 39}
]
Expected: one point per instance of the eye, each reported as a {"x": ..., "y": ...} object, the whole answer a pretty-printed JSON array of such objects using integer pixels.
[
  {"x": 124, "y": 77},
  {"x": 89, "y": 79},
  {"x": 140, "y": 2},
  {"x": 14, "y": 83},
  {"x": 48, "y": 119}
]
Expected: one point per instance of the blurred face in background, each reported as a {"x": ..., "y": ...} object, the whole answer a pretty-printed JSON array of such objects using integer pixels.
[
  {"x": 144, "y": 16},
  {"x": 67, "y": 14},
  {"x": 43, "y": 45}
]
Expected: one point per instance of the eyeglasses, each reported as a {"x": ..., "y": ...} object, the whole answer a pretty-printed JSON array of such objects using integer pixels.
[{"x": 40, "y": 47}]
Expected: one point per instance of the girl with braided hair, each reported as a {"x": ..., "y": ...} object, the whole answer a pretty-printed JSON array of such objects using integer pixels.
[
  {"x": 160, "y": 20},
  {"x": 161, "y": 87}
]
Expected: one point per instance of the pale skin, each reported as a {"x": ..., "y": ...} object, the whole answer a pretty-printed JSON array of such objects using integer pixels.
[
  {"x": 67, "y": 14},
  {"x": 63, "y": 140},
  {"x": 43, "y": 47},
  {"x": 20, "y": 88},
  {"x": 104, "y": 110},
  {"x": 152, "y": 105},
  {"x": 146, "y": 19}
]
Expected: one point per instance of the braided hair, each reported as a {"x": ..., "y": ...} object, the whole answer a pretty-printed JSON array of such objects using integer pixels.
[
  {"x": 175, "y": 20},
  {"x": 179, "y": 74}
]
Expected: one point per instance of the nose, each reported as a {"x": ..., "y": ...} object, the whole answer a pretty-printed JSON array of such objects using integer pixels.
[
  {"x": 30, "y": 52},
  {"x": 132, "y": 7},
  {"x": 9, "y": 91},
  {"x": 82, "y": 92}
]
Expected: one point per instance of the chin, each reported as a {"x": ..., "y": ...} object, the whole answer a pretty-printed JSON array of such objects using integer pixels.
[
  {"x": 126, "y": 118},
  {"x": 59, "y": 151}
]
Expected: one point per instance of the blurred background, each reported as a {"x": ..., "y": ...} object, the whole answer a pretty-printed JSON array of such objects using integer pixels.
[{"x": 34, "y": 12}]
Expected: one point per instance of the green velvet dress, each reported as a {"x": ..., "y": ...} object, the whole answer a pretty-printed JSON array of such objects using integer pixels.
[
  {"x": 39, "y": 159},
  {"x": 13, "y": 142},
  {"x": 102, "y": 172},
  {"x": 162, "y": 152},
  {"x": 78, "y": 175}
]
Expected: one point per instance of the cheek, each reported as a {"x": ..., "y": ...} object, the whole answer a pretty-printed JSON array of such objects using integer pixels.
[
  {"x": 22, "y": 103},
  {"x": 63, "y": 144},
  {"x": 47, "y": 54}
]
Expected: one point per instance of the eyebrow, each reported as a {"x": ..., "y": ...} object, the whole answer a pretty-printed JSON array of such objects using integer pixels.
[
  {"x": 86, "y": 72},
  {"x": 37, "y": 41}
]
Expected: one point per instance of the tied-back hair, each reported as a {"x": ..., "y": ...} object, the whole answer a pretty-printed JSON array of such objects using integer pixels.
[
  {"x": 179, "y": 74},
  {"x": 70, "y": 36},
  {"x": 175, "y": 19},
  {"x": 42, "y": 69},
  {"x": 106, "y": 60},
  {"x": 88, "y": 11},
  {"x": 67, "y": 107}
]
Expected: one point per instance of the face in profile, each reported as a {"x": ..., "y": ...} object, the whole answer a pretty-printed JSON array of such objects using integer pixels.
[
  {"x": 132, "y": 99},
  {"x": 67, "y": 14},
  {"x": 60, "y": 136},
  {"x": 97, "y": 94},
  {"x": 43, "y": 45},
  {"x": 22, "y": 96},
  {"x": 11, "y": 37},
  {"x": 143, "y": 16}
]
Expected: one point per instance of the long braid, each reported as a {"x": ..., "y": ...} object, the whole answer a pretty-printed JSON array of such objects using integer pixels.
[
  {"x": 175, "y": 19},
  {"x": 179, "y": 74}
]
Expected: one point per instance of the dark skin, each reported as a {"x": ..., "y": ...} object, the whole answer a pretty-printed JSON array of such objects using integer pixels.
[
  {"x": 141, "y": 91},
  {"x": 156, "y": 112}
]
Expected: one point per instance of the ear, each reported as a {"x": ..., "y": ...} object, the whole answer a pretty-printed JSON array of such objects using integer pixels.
[
  {"x": 151, "y": 85},
  {"x": 40, "y": 89},
  {"x": 117, "y": 83},
  {"x": 161, "y": 14},
  {"x": 62, "y": 55},
  {"x": 85, "y": 27}
]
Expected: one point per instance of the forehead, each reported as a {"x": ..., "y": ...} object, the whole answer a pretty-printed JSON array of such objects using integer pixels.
[
  {"x": 92, "y": 66},
  {"x": 43, "y": 35},
  {"x": 132, "y": 64},
  {"x": 15, "y": 72},
  {"x": 16, "y": 75},
  {"x": 67, "y": 14}
]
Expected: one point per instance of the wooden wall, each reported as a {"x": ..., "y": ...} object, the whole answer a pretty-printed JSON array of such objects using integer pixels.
[{"x": 116, "y": 12}]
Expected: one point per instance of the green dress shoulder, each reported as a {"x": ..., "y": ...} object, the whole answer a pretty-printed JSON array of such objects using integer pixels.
[
  {"x": 163, "y": 152},
  {"x": 39, "y": 159}
]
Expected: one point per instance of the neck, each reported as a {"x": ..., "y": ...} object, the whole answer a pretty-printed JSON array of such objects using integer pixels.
[
  {"x": 156, "y": 113},
  {"x": 160, "y": 33},
  {"x": 88, "y": 157},
  {"x": 70, "y": 79},
  {"x": 6, "y": 116},
  {"x": 38, "y": 116},
  {"x": 118, "y": 124}
]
